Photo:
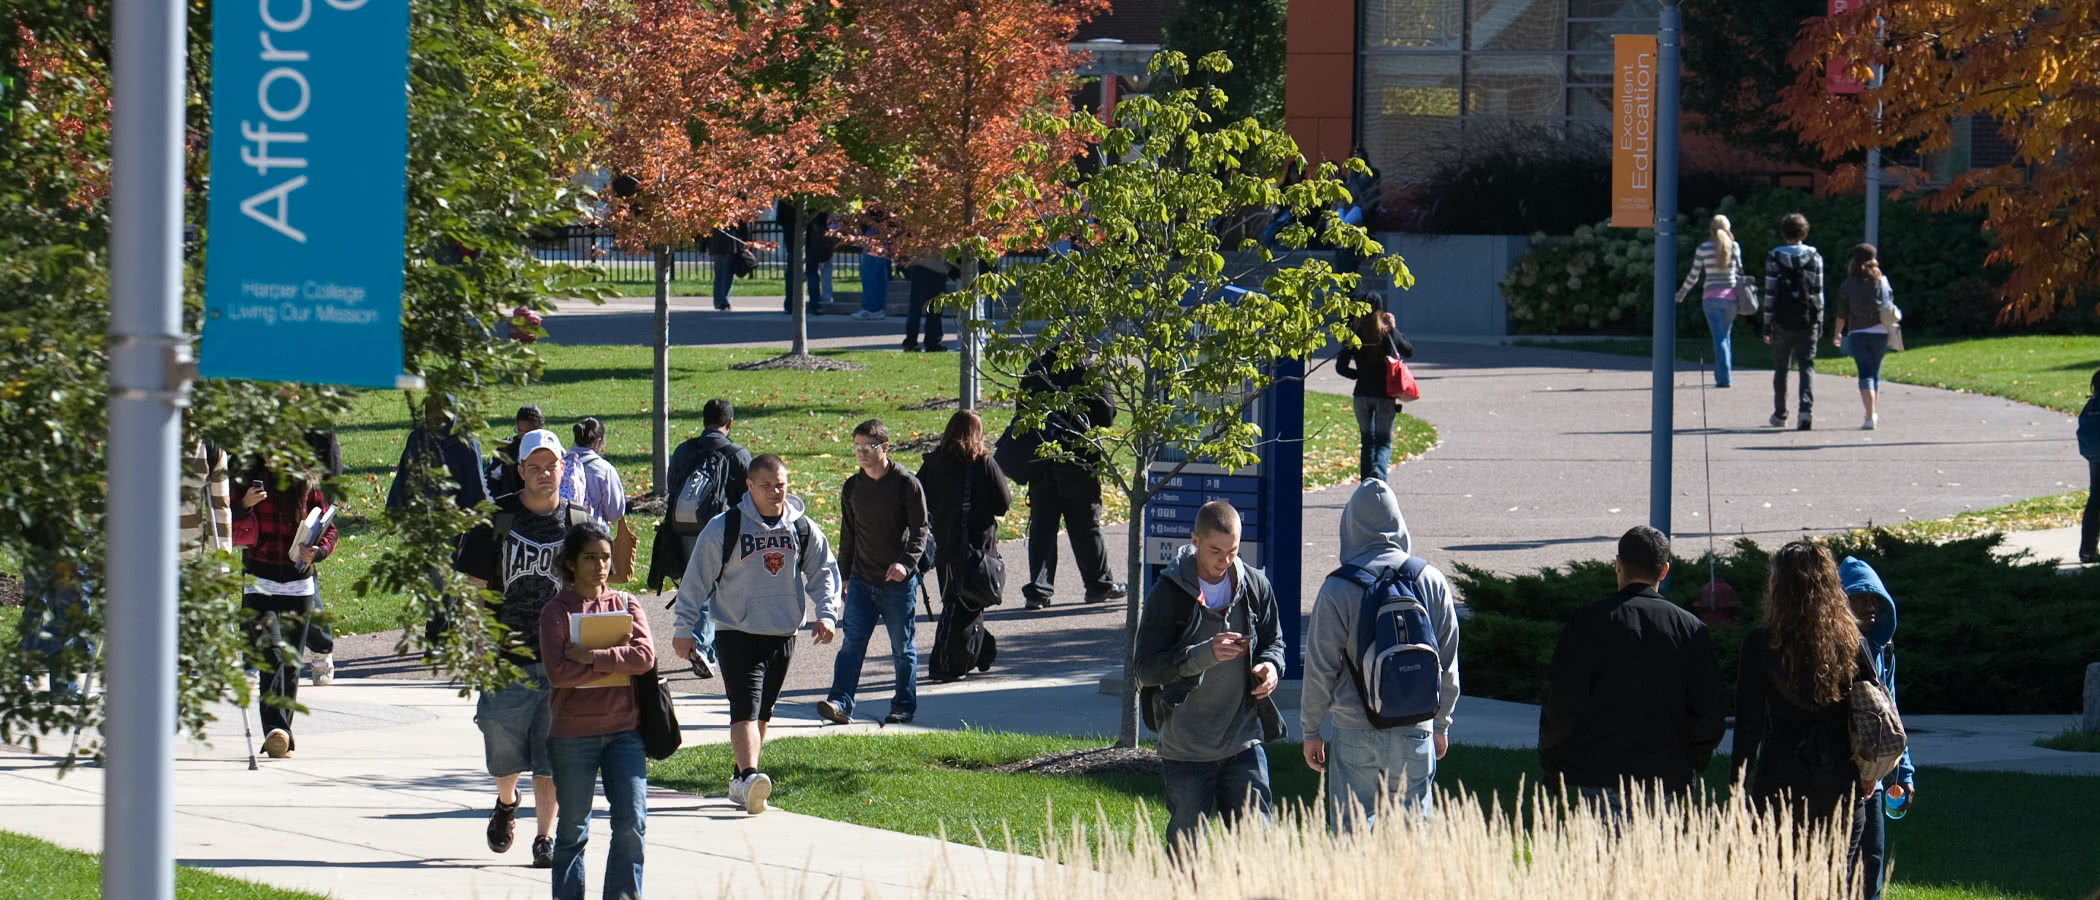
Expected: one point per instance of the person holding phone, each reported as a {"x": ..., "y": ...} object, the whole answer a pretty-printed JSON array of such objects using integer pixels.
[{"x": 281, "y": 601}]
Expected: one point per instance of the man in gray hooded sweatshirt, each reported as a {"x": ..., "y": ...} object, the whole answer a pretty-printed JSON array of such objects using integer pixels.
[
  {"x": 1357, "y": 756},
  {"x": 756, "y": 569},
  {"x": 1209, "y": 653}
]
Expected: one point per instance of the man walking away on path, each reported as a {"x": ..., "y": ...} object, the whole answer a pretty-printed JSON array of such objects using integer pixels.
[
  {"x": 431, "y": 444},
  {"x": 1066, "y": 490},
  {"x": 1209, "y": 653},
  {"x": 928, "y": 277},
  {"x": 763, "y": 563},
  {"x": 1634, "y": 692},
  {"x": 707, "y": 477},
  {"x": 882, "y": 536},
  {"x": 503, "y": 477},
  {"x": 2089, "y": 447},
  {"x": 1370, "y": 762},
  {"x": 514, "y": 553},
  {"x": 1793, "y": 314},
  {"x": 1876, "y": 612}
]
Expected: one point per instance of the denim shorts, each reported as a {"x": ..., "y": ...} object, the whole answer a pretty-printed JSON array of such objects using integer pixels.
[{"x": 514, "y": 723}]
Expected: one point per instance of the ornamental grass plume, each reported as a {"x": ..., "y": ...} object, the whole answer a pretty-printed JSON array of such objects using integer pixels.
[{"x": 1468, "y": 848}]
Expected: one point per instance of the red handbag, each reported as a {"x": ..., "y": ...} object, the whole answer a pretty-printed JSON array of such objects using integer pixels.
[{"x": 1399, "y": 382}]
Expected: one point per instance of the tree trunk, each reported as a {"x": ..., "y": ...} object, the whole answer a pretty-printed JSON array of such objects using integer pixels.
[
  {"x": 660, "y": 414},
  {"x": 1134, "y": 579},
  {"x": 797, "y": 250},
  {"x": 966, "y": 329}
]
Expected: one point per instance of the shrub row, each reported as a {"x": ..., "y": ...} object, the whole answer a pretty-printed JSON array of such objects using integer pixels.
[
  {"x": 1976, "y": 633},
  {"x": 1600, "y": 279}
]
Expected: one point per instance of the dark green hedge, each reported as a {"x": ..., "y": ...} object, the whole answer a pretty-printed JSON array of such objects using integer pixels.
[{"x": 1976, "y": 634}]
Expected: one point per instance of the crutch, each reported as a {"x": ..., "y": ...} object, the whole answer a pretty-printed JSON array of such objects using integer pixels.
[{"x": 211, "y": 526}]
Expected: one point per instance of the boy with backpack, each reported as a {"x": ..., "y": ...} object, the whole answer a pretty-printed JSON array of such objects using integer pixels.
[
  {"x": 1208, "y": 657},
  {"x": 1793, "y": 314},
  {"x": 1381, "y": 658},
  {"x": 708, "y": 474}
]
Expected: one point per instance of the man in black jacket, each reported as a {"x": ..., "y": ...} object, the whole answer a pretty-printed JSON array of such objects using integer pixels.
[
  {"x": 673, "y": 545},
  {"x": 1635, "y": 691},
  {"x": 1066, "y": 490}
]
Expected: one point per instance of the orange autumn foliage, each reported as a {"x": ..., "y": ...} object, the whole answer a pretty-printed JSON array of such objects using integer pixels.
[{"x": 2033, "y": 70}]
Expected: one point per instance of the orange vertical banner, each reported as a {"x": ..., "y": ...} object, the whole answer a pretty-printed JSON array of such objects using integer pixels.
[{"x": 1633, "y": 131}]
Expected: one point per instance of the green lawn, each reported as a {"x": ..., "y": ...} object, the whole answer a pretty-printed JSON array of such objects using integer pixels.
[
  {"x": 1970, "y": 835},
  {"x": 34, "y": 870},
  {"x": 2053, "y": 371},
  {"x": 2033, "y": 514},
  {"x": 807, "y": 417},
  {"x": 2073, "y": 740}
]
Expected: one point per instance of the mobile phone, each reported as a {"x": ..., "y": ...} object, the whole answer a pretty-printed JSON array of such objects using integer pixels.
[{"x": 255, "y": 485}]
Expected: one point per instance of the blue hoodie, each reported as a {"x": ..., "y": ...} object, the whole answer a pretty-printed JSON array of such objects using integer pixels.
[{"x": 1860, "y": 578}]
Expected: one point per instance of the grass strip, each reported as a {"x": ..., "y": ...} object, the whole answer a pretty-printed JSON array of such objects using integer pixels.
[{"x": 30, "y": 868}]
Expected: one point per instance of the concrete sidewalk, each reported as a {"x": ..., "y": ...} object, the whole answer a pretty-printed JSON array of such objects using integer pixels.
[{"x": 387, "y": 798}]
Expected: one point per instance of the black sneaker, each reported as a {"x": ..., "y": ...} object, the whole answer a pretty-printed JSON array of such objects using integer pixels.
[
  {"x": 1036, "y": 604},
  {"x": 936, "y": 348},
  {"x": 897, "y": 718},
  {"x": 1113, "y": 592},
  {"x": 543, "y": 852},
  {"x": 701, "y": 668},
  {"x": 911, "y": 347},
  {"x": 503, "y": 826},
  {"x": 1806, "y": 421}
]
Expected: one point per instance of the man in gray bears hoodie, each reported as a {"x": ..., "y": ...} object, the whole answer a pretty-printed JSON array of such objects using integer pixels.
[
  {"x": 1209, "y": 652},
  {"x": 1356, "y": 756},
  {"x": 1876, "y": 612},
  {"x": 778, "y": 566}
]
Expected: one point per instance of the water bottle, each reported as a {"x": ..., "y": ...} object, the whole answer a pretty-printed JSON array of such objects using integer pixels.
[{"x": 1896, "y": 801}]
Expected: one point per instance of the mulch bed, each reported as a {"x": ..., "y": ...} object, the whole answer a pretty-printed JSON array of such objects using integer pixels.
[
  {"x": 646, "y": 505},
  {"x": 10, "y": 590},
  {"x": 1092, "y": 761},
  {"x": 800, "y": 363}
]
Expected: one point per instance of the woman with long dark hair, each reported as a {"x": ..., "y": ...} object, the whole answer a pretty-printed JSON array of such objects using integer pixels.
[
  {"x": 596, "y": 727},
  {"x": 1798, "y": 668},
  {"x": 965, "y": 496},
  {"x": 1867, "y": 339},
  {"x": 1378, "y": 340},
  {"x": 280, "y": 603}
]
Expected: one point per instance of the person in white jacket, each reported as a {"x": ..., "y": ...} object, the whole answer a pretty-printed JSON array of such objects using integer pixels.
[
  {"x": 1356, "y": 755},
  {"x": 764, "y": 564}
]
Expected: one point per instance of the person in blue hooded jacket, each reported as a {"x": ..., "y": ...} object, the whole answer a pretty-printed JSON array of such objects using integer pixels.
[
  {"x": 2089, "y": 447},
  {"x": 1876, "y": 611}
]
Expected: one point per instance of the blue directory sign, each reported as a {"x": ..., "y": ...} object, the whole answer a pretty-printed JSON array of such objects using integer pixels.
[
  {"x": 309, "y": 143},
  {"x": 1268, "y": 496}
]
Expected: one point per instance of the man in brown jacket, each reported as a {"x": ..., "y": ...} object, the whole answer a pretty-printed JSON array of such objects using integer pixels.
[{"x": 882, "y": 536}]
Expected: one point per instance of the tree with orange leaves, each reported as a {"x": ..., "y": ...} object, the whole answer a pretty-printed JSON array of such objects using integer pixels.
[
  {"x": 944, "y": 93},
  {"x": 2035, "y": 70},
  {"x": 714, "y": 110}
]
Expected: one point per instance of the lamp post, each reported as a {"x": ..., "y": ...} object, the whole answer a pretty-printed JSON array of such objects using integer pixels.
[{"x": 1662, "y": 424}]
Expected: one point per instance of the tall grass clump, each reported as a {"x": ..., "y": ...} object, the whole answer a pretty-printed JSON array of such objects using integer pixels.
[{"x": 1547, "y": 846}]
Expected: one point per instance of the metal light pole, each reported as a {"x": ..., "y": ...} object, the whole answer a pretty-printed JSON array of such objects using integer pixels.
[
  {"x": 1662, "y": 422},
  {"x": 149, "y": 381}
]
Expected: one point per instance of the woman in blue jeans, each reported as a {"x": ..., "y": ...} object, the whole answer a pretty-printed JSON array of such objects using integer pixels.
[
  {"x": 596, "y": 724},
  {"x": 1860, "y": 300},
  {"x": 1376, "y": 408},
  {"x": 1717, "y": 268}
]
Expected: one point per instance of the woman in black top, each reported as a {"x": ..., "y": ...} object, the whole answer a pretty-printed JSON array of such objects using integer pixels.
[
  {"x": 1797, "y": 669},
  {"x": 960, "y": 642},
  {"x": 1378, "y": 341}
]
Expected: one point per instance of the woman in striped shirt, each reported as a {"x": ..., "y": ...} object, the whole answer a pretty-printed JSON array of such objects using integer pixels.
[{"x": 1719, "y": 266}]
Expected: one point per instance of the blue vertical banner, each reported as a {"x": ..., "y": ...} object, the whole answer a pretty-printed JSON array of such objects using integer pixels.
[{"x": 309, "y": 146}]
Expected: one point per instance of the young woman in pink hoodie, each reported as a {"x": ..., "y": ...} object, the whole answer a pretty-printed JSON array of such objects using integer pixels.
[{"x": 595, "y": 729}]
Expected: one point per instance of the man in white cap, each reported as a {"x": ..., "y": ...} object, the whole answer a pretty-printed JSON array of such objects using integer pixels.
[{"x": 514, "y": 553}]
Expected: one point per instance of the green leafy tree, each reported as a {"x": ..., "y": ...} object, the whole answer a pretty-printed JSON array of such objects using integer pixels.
[
  {"x": 1140, "y": 311},
  {"x": 489, "y": 157},
  {"x": 1250, "y": 33}
]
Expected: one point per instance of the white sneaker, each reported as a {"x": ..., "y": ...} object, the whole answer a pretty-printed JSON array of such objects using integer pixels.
[
  {"x": 324, "y": 669},
  {"x": 737, "y": 789},
  {"x": 756, "y": 789}
]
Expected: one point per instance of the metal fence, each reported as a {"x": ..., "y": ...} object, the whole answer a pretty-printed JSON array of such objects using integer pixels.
[{"x": 592, "y": 246}]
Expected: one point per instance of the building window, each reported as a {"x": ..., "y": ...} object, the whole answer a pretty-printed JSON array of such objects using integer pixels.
[{"x": 1438, "y": 73}]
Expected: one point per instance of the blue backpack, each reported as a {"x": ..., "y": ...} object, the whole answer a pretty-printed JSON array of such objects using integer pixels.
[{"x": 1396, "y": 666}]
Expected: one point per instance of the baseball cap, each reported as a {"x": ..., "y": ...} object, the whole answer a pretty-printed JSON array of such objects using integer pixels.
[{"x": 534, "y": 441}]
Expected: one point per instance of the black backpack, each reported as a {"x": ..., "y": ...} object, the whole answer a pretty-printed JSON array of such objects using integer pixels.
[
  {"x": 1788, "y": 303},
  {"x": 576, "y": 514},
  {"x": 707, "y": 489}
]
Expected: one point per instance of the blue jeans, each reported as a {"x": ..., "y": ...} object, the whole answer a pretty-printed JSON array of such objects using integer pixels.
[
  {"x": 891, "y": 602},
  {"x": 1867, "y": 351},
  {"x": 1374, "y": 421},
  {"x": 725, "y": 276},
  {"x": 1365, "y": 764},
  {"x": 874, "y": 283},
  {"x": 1225, "y": 788},
  {"x": 816, "y": 280},
  {"x": 2089, "y": 525},
  {"x": 704, "y": 633},
  {"x": 1720, "y": 320},
  {"x": 577, "y": 764}
]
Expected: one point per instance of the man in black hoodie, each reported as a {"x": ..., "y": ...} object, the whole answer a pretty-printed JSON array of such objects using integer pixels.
[
  {"x": 1634, "y": 692},
  {"x": 1067, "y": 491}
]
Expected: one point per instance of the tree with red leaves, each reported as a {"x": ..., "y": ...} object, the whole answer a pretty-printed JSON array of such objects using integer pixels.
[
  {"x": 947, "y": 95},
  {"x": 2034, "y": 70}
]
